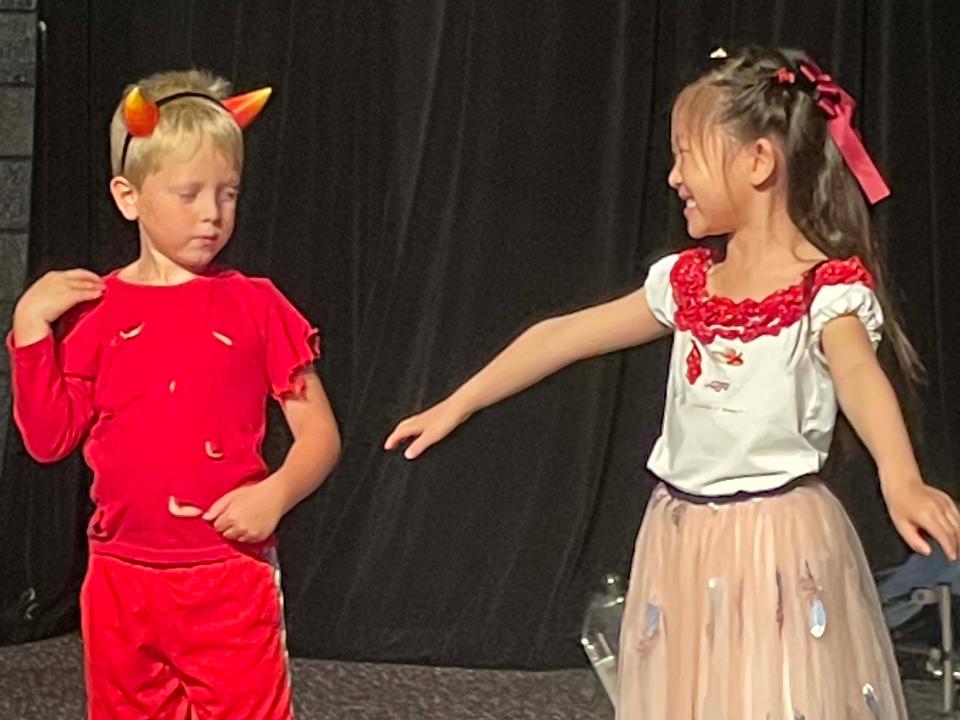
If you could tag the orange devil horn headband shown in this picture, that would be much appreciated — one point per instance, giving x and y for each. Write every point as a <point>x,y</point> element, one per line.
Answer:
<point>142,115</point>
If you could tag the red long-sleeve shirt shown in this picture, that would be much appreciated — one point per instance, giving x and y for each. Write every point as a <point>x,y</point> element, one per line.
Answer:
<point>166,387</point>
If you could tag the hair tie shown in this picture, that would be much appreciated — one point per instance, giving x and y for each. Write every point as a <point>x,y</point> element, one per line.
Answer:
<point>785,76</point>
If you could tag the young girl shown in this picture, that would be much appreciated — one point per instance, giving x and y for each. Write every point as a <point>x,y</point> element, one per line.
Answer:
<point>162,370</point>
<point>750,596</point>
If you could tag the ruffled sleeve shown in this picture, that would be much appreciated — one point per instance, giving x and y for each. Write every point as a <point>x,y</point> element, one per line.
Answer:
<point>292,344</point>
<point>659,291</point>
<point>833,301</point>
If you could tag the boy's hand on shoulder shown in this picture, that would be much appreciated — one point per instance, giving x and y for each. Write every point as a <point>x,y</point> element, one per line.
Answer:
<point>248,514</point>
<point>55,293</point>
<point>58,291</point>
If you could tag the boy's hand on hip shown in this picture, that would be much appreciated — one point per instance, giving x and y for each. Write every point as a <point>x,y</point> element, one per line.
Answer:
<point>248,514</point>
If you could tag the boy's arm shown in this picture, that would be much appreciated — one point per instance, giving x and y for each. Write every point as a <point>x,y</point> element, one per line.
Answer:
<point>251,513</point>
<point>53,411</point>
<point>52,408</point>
<point>316,444</point>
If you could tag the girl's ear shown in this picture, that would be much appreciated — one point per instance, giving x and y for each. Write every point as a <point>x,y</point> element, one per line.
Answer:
<point>763,161</point>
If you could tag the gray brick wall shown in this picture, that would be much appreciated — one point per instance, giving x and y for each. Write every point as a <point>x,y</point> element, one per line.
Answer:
<point>18,64</point>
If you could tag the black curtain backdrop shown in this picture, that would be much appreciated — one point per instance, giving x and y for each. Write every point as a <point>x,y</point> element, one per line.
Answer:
<point>428,180</point>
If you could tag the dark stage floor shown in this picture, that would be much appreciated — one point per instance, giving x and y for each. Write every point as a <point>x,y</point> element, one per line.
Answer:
<point>44,681</point>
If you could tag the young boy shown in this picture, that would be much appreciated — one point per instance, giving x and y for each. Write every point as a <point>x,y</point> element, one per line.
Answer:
<point>161,370</point>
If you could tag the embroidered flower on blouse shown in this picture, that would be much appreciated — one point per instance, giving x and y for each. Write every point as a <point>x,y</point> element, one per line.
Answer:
<point>694,365</point>
<point>728,356</point>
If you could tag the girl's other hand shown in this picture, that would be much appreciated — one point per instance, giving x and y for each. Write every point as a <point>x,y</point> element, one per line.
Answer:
<point>915,506</point>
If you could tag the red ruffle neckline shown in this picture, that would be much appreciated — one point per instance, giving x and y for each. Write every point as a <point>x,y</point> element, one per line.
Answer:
<point>708,317</point>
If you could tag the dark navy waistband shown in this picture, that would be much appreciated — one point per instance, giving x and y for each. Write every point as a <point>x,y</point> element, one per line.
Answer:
<point>802,481</point>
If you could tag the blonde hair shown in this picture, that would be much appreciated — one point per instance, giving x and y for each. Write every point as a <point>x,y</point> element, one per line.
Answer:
<point>183,125</point>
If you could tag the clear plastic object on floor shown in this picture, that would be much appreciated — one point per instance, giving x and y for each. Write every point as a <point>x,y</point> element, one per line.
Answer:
<point>600,637</point>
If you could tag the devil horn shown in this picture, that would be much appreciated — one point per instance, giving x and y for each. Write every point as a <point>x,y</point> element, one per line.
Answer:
<point>246,107</point>
<point>140,114</point>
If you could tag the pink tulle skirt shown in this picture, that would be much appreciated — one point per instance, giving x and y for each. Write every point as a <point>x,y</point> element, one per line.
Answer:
<point>762,609</point>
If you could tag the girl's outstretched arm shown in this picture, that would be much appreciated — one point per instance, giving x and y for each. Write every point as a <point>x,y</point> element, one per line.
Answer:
<point>541,350</point>
<point>870,403</point>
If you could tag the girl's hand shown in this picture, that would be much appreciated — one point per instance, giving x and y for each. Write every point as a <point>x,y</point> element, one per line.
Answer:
<point>915,506</point>
<point>56,292</point>
<point>248,514</point>
<point>428,428</point>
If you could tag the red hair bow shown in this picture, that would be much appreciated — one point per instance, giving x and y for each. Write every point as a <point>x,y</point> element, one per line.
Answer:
<point>839,106</point>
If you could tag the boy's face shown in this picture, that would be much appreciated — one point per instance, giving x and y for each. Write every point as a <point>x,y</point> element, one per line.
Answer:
<point>186,209</point>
